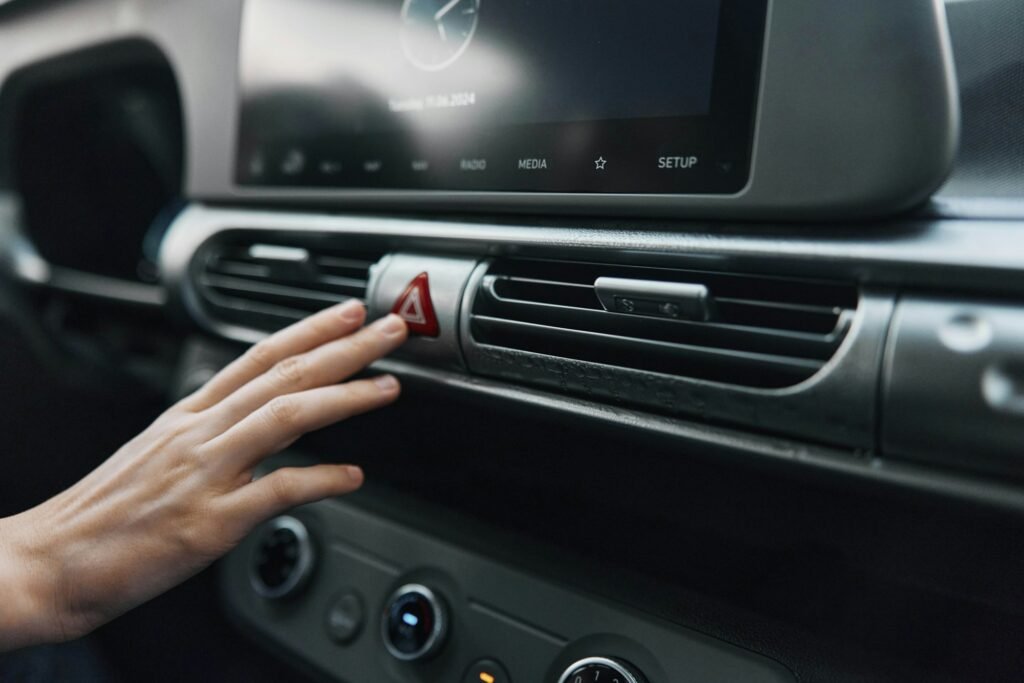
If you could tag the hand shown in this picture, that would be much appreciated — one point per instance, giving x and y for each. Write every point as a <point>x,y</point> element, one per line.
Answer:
<point>181,494</point>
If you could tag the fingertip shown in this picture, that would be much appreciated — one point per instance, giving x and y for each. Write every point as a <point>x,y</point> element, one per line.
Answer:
<point>387,384</point>
<point>355,475</point>
<point>352,311</point>
<point>392,326</point>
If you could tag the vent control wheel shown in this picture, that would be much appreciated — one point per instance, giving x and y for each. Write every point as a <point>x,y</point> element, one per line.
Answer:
<point>282,559</point>
<point>601,670</point>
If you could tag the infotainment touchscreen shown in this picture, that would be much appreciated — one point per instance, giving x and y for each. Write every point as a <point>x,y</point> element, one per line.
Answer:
<point>568,96</point>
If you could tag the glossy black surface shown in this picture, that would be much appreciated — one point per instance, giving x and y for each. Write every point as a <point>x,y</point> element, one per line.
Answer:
<point>564,97</point>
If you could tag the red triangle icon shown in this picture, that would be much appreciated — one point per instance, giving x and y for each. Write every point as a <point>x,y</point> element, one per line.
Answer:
<point>416,308</point>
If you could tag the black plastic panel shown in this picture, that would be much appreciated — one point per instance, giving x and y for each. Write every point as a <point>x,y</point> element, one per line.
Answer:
<point>533,628</point>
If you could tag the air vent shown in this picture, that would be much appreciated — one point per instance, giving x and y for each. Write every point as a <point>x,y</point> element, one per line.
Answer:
<point>265,284</point>
<point>743,330</point>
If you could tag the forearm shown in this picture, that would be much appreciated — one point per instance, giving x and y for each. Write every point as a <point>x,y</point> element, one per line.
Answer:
<point>26,593</point>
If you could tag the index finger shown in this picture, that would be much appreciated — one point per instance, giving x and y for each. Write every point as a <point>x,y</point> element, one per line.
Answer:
<point>305,335</point>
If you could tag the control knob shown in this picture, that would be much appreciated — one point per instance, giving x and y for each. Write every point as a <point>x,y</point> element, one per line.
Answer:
<point>282,559</point>
<point>601,670</point>
<point>415,623</point>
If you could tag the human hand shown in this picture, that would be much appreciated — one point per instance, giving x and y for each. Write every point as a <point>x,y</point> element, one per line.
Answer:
<point>181,494</point>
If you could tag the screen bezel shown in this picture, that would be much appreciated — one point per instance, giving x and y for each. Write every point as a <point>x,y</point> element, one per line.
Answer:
<point>728,133</point>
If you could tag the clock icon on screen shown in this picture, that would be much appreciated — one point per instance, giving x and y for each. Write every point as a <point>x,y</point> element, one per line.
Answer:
<point>435,33</point>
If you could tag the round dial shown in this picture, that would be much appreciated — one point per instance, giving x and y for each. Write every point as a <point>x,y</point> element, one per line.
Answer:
<point>282,558</point>
<point>435,33</point>
<point>415,623</point>
<point>601,670</point>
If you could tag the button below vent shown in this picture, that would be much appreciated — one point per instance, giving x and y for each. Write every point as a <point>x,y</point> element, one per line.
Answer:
<point>752,331</point>
<point>266,285</point>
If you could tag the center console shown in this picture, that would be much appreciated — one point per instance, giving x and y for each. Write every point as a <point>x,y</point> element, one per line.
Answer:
<point>386,602</point>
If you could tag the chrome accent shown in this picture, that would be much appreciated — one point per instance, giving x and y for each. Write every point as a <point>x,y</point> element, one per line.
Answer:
<point>987,254</point>
<point>438,633</point>
<point>691,302</point>
<point>274,252</point>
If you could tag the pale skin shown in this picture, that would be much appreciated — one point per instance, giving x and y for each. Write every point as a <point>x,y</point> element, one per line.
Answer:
<point>181,494</point>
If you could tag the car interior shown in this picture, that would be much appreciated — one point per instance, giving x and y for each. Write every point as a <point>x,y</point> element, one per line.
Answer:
<point>717,366</point>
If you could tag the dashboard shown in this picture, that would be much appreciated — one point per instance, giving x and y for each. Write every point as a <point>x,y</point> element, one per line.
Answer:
<point>740,279</point>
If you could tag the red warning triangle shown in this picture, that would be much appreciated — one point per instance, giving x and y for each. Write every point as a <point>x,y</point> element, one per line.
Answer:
<point>416,308</point>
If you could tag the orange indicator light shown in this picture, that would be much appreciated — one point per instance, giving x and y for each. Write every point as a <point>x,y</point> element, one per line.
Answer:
<point>486,677</point>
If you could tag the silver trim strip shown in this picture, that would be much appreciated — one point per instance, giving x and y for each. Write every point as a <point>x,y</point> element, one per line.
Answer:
<point>978,253</point>
<point>273,252</point>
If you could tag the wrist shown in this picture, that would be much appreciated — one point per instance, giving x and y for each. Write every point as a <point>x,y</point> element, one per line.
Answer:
<point>27,596</point>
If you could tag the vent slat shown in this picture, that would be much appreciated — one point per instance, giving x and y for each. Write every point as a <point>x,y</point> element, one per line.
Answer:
<point>343,263</point>
<point>248,307</point>
<point>765,332</point>
<point>752,369</point>
<point>799,317</point>
<point>742,338</point>
<point>245,283</point>
<point>240,268</point>
<point>354,286</point>
<point>299,298</point>
<point>740,286</point>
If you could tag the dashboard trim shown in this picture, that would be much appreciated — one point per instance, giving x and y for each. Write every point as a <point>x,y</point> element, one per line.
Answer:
<point>984,255</point>
<point>922,253</point>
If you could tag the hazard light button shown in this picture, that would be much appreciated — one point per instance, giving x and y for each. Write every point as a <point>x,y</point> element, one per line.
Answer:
<point>416,308</point>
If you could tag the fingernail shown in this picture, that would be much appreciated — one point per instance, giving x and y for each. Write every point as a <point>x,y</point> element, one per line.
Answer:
<point>351,311</point>
<point>354,473</point>
<point>391,326</point>
<point>386,383</point>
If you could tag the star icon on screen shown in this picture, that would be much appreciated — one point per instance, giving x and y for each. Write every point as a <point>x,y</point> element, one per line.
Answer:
<point>600,163</point>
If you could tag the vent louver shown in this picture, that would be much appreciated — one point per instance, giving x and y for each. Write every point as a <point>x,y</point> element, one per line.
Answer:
<point>751,331</point>
<point>266,285</point>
